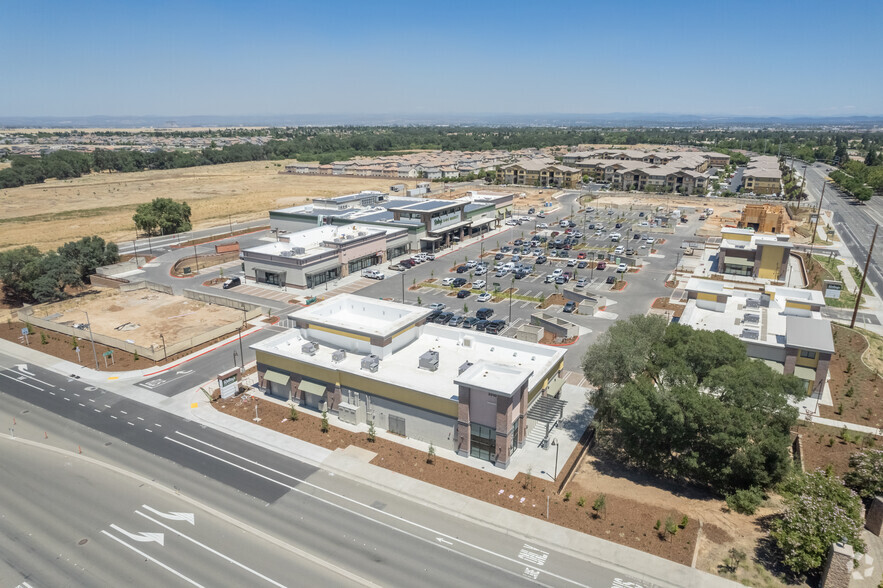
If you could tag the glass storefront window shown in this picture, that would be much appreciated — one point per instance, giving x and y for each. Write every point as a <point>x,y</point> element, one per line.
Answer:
<point>484,442</point>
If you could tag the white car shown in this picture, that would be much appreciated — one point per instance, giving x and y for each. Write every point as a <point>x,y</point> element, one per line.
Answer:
<point>581,283</point>
<point>542,226</point>
<point>480,270</point>
<point>650,241</point>
<point>438,306</point>
<point>447,281</point>
<point>479,285</point>
<point>557,272</point>
<point>471,264</point>
<point>484,297</point>
<point>622,268</point>
<point>619,250</point>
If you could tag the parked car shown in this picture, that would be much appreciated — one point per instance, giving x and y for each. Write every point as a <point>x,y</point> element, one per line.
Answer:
<point>640,214</point>
<point>408,262</point>
<point>505,249</point>
<point>540,260</point>
<point>560,280</point>
<point>582,264</point>
<point>622,268</point>
<point>455,321</point>
<point>373,274</point>
<point>619,250</point>
<point>462,269</point>
<point>481,324</point>
<point>232,283</point>
<point>549,279</point>
<point>569,306</point>
<point>498,256</point>
<point>463,294</point>
<point>458,282</point>
<point>480,270</point>
<point>581,255</point>
<point>611,279</point>
<point>601,265</point>
<point>629,251</point>
<point>439,306</point>
<point>484,297</point>
<point>650,241</point>
<point>618,226</point>
<point>443,318</point>
<point>484,313</point>
<point>447,281</point>
<point>430,256</point>
<point>469,322</point>
<point>495,327</point>
<point>479,285</point>
<point>571,263</point>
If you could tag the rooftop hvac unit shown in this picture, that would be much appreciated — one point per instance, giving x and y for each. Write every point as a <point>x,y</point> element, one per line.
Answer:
<point>298,250</point>
<point>338,356</point>
<point>464,367</point>
<point>429,361</point>
<point>370,363</point>
<point>467,342</point>
<point>309,348</point>
<point>363,234</point>
<point>286,253</point>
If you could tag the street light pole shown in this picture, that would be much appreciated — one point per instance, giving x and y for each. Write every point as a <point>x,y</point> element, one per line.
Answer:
<point>241,353</point>
<point>92,339</point>
<point>165,354</point>
<point>555,443</point>
<point>861,287</point>
<point>196,256</point>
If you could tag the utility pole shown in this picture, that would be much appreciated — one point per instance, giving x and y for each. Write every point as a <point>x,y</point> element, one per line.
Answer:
<point>196,255</point>
<point>403,287</point>
<point>815,225</point>
<point>861,287</point>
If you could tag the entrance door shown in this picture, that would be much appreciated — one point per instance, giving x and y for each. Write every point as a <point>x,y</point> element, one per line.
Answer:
<point>397,425</point>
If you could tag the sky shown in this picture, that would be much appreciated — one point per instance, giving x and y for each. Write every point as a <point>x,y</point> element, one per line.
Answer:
<point>264,57</point>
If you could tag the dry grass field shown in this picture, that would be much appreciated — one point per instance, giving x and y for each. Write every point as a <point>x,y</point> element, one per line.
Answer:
<point>49,214</point>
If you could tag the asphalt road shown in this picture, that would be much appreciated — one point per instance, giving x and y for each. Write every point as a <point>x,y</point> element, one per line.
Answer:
<point>382,538</point>
<point>156,245</point>
<point>854,221</point>
<point>65,521</point>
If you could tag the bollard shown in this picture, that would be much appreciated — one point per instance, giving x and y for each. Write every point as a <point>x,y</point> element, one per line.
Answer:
<point>45,435</point>
<point>80,449</point>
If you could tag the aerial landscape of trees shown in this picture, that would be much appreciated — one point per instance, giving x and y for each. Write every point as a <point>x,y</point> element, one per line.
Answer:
<point>327,144</point>
<point>162,216</point>
<point>28,275</point>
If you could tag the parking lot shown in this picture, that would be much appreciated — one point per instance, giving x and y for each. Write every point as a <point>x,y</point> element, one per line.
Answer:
<point>643,285</point>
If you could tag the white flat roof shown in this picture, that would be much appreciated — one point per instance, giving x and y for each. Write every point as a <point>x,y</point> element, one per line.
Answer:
<point>312,240</point>
<point>369,316</point>
<point>708,286</point>
<point>508,356</point>
<point>497,378</point>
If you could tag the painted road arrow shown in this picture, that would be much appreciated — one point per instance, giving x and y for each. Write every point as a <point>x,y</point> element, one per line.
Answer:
<point>173,516</point>
<point>143,537</point>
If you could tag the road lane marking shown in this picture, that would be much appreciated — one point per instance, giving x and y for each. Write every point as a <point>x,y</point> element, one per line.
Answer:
<point>51,392</point>
<point>112,416</point>
<point>142,537</point>
<point>81,404</point>
<point>139,418</point>
<point>106,406</point>
<point>96,410</point>
<point>91,400</point>
<point>172,516</point>
<point>66,398</point>
<point>131,423</point>
<point>22,382</point>
<point>210,550</point>
<point>148,430</point>
<point>157,425</point>
<point>365,506</point>
<point>124,412</point>
<point>153,559</point>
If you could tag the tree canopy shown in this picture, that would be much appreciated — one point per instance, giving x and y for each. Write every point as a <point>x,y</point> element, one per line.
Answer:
<point>690,404</point>
<point>31,276</point>
<point>162,216</point>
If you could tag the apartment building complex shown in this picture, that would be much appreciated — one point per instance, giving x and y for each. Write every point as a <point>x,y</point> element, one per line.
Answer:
<point>746,253</point>
<point>541,172</point>
<point>762,175</point>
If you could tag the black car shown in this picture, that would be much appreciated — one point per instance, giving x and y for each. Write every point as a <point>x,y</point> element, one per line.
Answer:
<point>494,327</point>
<point>481,325</point>
<point>640,214</point>
<point>618,225</point>
<point>462,269</point>
<point>498,256</point>
<point>570,306</point>
<point>232,283</point>
<point>592,226</point>
<point>505,249</point>
<point>541,259</point>
<point>563,253</point>
<point>458,282</point>
<point>463,294</point>
<point>443,318</point>
<point>518,242</point>
<point>469,322</point>
<point>636,236</point>
<point>432,316</point>
<point>611,279</point>
<point>484,313</point>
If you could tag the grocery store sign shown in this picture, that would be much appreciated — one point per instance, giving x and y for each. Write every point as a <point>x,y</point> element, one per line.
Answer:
<point>444,220</point>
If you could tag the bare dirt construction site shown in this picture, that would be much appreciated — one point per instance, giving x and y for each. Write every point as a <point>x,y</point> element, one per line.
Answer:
<point>50,214</point>
<point>142,316</point>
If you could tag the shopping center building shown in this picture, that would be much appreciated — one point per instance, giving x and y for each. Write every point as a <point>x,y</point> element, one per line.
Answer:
<point>381,362</point>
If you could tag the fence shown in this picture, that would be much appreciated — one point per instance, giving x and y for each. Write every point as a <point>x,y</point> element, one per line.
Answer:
<point>586,442</point>
<point>252,310</point>
<point>106,281</point>
<point>204,261</point>
<point>148,285</point>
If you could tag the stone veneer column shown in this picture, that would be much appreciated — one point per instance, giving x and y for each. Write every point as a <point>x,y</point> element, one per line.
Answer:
<point>464,430</point>
<point>790,360</point>
<point>504,426</point>
<point>522,424</point>
<point>334,397</point>
<point>874,516</point>
<point>838,568</point>
<point>822,371</point>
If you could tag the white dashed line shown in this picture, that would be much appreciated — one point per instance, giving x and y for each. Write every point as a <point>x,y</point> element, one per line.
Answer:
<point>81,404</point>
<point>91,400</point>
<point>66,398</point>
<point>77,395</point>
<point>53,393</point>
<point>124,412</point>
<point>157,425</point>
<point>112,416</point>
<point>139,418</point>
<point>148,430</point>
<point>131,423</point>
<point>106,406</point>
<point>96,410</point>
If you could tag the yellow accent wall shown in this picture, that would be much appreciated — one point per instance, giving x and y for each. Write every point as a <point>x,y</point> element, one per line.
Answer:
<point>792,304</point>
<point>735,236</point>
<point>342,333</point>
<point>770,261</point>
<point>807,362</point>
<point>706,296</point>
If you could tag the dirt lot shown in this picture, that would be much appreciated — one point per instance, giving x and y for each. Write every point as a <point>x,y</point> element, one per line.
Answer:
<point>146,312</point>
<point>827,446</point>
<point>627,521</point>
<point>49,214</point>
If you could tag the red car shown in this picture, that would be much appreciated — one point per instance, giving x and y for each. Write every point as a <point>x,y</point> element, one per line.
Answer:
<point>601,265</point>
<point>581,255</point>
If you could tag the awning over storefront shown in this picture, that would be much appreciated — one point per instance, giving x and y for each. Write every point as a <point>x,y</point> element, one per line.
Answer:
<point>805,373</point>
<point>483,221</point>
<point>276,377</point>
<point>775,366</point>
<point>740,261</point>
<point>431,239</point>
<point>312,387</point>
<point>451,227</point>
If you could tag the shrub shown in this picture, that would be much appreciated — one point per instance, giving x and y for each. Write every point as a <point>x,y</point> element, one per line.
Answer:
<point>819,511</point>
<point>136,357</point>
<point>581,502</point>
<point>866,473</point>
<point>657,525</point>
<point>44,340</point>
<point>293,415</point>
<point>683,522</point>
<point>74,342</point>
<point>567,496</point>
<point>528,478</point>
<point>670,527</point>
<point>372,434</point>
<point>745,501</point>
<point>600,505</point>
<point>430,453</point>
<point>325,426</point>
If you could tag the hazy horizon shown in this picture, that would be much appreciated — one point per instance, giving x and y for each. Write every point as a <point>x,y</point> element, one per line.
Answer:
<point>458,59</point>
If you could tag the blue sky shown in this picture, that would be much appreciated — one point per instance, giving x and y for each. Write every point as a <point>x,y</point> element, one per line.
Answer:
<point>182,57</point>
